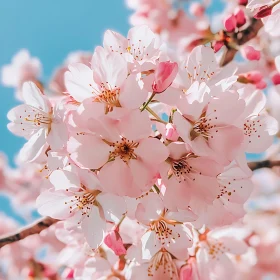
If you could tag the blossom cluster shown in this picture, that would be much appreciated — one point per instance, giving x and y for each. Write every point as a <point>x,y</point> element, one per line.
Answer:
<point>139,150</point>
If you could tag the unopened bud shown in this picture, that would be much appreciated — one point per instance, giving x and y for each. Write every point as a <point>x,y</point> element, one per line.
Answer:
<point>230,23</point>
<point>276,79</point>
<point>114,241</point>
<point>165,74</point>
<point>240,17</point>
<point>171,132</point>
<point>250,53</point>
<point>218,45</point>
<point>243,2</point>
<point>263,12</point>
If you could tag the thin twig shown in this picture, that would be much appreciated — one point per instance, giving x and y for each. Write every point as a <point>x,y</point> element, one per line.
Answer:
<point>241,38</point>
<point>263,164</point>
<point>22,233</point>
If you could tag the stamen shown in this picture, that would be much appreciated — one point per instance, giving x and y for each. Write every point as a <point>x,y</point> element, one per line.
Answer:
<point>163,260</point>
<point>124,149</point>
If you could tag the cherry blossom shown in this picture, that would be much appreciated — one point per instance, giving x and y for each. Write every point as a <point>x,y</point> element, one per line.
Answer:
<point>39,122</point>
<point>127,154</point>
<point>154,157</point>
<point>79,199</point>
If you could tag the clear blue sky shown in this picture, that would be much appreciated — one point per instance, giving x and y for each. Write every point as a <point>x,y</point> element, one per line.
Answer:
<point>50,30</point>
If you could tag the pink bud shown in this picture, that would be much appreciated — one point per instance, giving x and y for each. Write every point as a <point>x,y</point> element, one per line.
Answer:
<point>240,17</point>
<point>230,23</point>
<point>197,9</point>
<point>254,77</point>
<point>251,54</point>
<point>165,74</point>
<point>171,132</point>
<point>276,79</point>
<point>189,271</point>
<point>261,85</point>
<point>263,12</point>
<point>217,46</point>
<point>243,2</point>
<point>114,241</point>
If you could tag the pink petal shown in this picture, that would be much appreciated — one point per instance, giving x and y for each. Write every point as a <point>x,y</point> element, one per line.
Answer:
<point>78,80</point>
<point>149,208</point>
<point>152,151</point>
<point>132,94</point>
<point>34,97</point>
<point>88,151</point>
<point>94,228</point>
<point>34,147</point>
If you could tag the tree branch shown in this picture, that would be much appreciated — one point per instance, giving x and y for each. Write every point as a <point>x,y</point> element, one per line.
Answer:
<point>22,233</point>
<point>263,164</point>
<point>241,38</point>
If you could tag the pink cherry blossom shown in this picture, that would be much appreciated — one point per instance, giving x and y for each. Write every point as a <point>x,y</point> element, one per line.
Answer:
<point>141,48</point>
<point>22,69</point>
<point>39,122</point>
<point>214,250</point>
<point>211,126</point>
<point>108,83</point>
<point>185,179</point>
<point>79,199</point>
<point>164,228</point>
<point>258,126</point>
<point>127,156</point>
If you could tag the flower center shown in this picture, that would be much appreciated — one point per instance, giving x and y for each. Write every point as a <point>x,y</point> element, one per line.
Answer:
<point>107,95</point>
<point>138,51</point>
<point>124,149</point>
<point>163,260</point>
<point>181,168</point>
<point>163,231</point>
<point>201,127</point>
<point>83,200</point>
<point>39,119</point>
<point>216,249</point>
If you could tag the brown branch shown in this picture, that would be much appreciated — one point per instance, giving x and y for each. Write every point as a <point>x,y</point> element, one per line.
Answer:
<point>34,228</point>
<point>263,164</point>
<point>241,38</point>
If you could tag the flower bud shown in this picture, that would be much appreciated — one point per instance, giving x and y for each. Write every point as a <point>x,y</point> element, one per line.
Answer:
<point>263,12</point>
<point>114,241</point>
<point>189,271</point>
<point>218,45</point>
<point>165,74</point>
<point>276,79</point>
<point>261,85</point>
<point>250,53</point>
<point>243,2</point>
<point>254,76</point>
<point>171,132</point>
<point>240,17</point>
<point>230,23</point>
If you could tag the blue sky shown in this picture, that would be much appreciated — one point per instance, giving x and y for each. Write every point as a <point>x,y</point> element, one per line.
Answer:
<point>50,30</point>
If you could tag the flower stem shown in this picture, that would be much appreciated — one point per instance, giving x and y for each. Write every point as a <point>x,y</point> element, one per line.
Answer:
<point>147,103</point>
<point>155,115</point>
